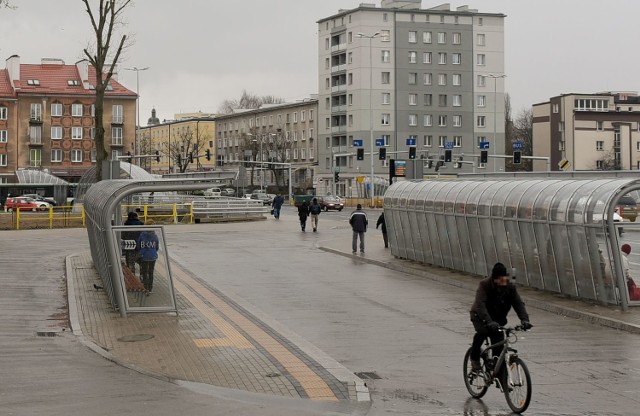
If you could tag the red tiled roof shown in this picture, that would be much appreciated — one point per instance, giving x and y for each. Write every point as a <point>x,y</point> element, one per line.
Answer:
<point>53,79</point>
<point>5,86</point>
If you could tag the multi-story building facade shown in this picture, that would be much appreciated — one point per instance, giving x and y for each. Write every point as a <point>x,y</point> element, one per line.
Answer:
<point>399,72</point>
<point>185,144</point>
<point>588,131</point>
<point>47,118</point>
<point>280,133</point>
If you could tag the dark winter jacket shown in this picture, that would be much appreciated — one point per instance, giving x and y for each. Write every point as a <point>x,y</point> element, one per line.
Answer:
<point>303,211</point>
<point>315,209</point>
<point>277,202</point>
<point>132,235</point>
<point>359,221</point>
<point>382,222</point>
<point>494,302</point>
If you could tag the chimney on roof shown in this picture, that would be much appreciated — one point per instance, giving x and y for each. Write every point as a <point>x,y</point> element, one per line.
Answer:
<point>51,61</point>
<point>83,70</point>
<point>13,67</point>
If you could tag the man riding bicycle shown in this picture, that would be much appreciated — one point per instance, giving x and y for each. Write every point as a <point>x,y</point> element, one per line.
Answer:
<point>494,298</point>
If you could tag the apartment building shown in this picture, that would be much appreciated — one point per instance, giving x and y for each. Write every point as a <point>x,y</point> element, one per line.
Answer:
<point>281,133</point>
<point>401,74</point>
<point>598,131</point>
<point>185,144</point>
<point>47,118</point>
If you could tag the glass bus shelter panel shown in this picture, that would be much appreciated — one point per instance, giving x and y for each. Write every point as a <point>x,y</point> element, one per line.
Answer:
<point>529,198</point>
<point>546,257</point>
<point>580,201</point>
<point>405,226</point>
<point>414,229</point>
<point>514,243</point>
<point>486,199</point>
<point>454,236</point>
<point>600,264</point>
<point>515,198</point>
<point>452,196</point>
<point>583,273</point>
<point>147,283</point>
<point>488,242</point>
<point>438,193</point>
<point>477,249</point>
<point>425,235</point>
<point>564,263</point>
<point>498,203</point>
<point>443,240</point>
<point>464,241</point>
<point>560,202</point>
<point>475,196</point>
<point>530,251</point>
<point>503,250</point>
<point>395,232</point>
<point>542,205</point>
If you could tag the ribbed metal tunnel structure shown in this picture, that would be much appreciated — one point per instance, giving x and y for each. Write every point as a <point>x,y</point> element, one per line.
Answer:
<point>557,233</point>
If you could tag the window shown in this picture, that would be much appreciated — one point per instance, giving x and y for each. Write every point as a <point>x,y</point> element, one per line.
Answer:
<point>385,17</point>
<point>33,82</point>
<point>426,37</point>
<point>442,38</point>
<point>442,58</point>
<point>385,36</point>
<point>350,120</point>
<point>413,57</point>
<point>482,80</point>
<point>76,133</point>
<point>386,139</point>
<point>457,100</point>
<point>386,119</point>
<point>413,36</point>
<point>56,155</point>
<point>56,133</point>
<point>386,57</point>
<point>427,120</point>
<point>349,81</point>
<point>4,135</point>
<point>442,121</point>
<point>386,77</point>
<point>442,79</point>
<point>349,99</point>
<point>3,160</point>
<point>457,121</point>
<point>413,99</point>
<point>56,110</point>
<point>310,115</point>
<point>427,57</point>
<point>386,98</point>
<point>457,141</point>
<point>592,104</point>
<point>482,100</point>
<point>36,112</point>
<point>303,154</point>
<point>35,134</point>
<point>3,113</point>
<point>442,100</point>
<point>35,158</point>
<point>76,110</point>
<point>427,140</point>
<point>600,145</point>
<point>556,109</point>
<point>457,38</point>
<point>350,37</point>
<point>561,126</point>
<point>326,63</point>
<point>481,39</point>
<point>350,58</point>
<point>413,119</point>
<point>456,58</point>
<point>482,121</point>
<point>480,21</point>
<point>456,79</point>
<point>599,125</point>
<point>481,59</point>
<point>599,164</point>
<point>116,136</point>
<point>428,99</point>
<point>427,78</point>
<point>93,133</point>
<point>93,110</point>
<point>413,78</point>
<point>442,141</point>
<point>76,155</point>
<point>115,153</point>
<point>561,146</point>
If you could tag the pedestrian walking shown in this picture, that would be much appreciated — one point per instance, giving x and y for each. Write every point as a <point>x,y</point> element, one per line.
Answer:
<point>315,209</point>
<point>149,245</point>
<point>359,222</point>
<point>381,222</point>
<point>277,205</point>
<point>303,214</point>
<point>131,254</point>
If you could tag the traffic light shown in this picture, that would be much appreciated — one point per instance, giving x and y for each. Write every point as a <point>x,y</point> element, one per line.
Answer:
<point>517,156</point>
<point>382,155</point>
<point>429,164</point>
<point>208,154</point>
<point>484,156</point>
<point>360,154</point>
<point>190,157</point>
<point>157,156</point>
<point>412,152</point>
<point>336,176</point>
<point>447,155</point>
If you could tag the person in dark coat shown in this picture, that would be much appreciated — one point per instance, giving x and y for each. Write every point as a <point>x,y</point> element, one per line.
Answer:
<point>277,205</point>
<point>314,210</point>
<point>149,246</point>
<point>359,222</point>
<point>303,214</point>
<point>381,222</point>
<point>131,255</point>
<point>495,297</point>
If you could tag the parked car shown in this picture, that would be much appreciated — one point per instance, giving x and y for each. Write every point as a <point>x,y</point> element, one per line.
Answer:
<point>229,192</point>
<point>37,197</point>
<point>25,204</point>
<point>212,192</point>
<point>627,208</point>
<point>262,197</point>
<point>330,202</point>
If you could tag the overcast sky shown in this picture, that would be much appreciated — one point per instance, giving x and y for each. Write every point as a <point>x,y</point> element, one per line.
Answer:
<point>201,52</point>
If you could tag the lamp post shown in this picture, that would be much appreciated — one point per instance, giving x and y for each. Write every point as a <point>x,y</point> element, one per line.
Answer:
<point>370,37</point>
<point>137,143</point>
<point>495,108</point>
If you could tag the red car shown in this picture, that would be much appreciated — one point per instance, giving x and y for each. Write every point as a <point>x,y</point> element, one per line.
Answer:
<point>25,204</point>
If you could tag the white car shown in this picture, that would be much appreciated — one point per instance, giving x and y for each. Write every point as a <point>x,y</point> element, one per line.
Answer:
<point>213,192</point>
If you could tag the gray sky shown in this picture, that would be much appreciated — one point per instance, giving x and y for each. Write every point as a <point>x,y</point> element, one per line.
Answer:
<point>201,52</point>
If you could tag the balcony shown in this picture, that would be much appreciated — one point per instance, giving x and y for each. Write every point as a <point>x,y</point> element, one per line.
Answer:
<point>117,120</point>
<point>339,108</point>
<point>35,141</point>
<point>339,88</point>
<point>338,68</point>
<point>339,47</point>
<point>339,129</point>
<point>35,119</point>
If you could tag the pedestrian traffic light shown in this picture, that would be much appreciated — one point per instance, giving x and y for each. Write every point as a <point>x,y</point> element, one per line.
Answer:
<point>208,154</point>
<point>447,155</point>
<point>336,176</point>
<point>412,152</point>
<point>517,156</point>
<point>484,156</point>
<point>382,155</point>
<point>157,156</point>
<point>360,154</point>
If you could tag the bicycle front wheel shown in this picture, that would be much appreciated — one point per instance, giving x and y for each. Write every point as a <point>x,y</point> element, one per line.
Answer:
<point>517,386</point>
<point>475,382</point>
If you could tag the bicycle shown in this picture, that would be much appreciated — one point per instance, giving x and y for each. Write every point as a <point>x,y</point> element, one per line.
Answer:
<point>513,379</point>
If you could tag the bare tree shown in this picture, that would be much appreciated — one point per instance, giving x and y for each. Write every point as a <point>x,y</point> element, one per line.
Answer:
<point>187,148</point>
<point>7,4</point>
<point>247,101</point>
<point>610,161</point>
<point>105,18</point>
<point>522,131</point>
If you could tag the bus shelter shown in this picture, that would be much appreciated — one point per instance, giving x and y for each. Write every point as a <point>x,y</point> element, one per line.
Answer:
<point>556,234</point>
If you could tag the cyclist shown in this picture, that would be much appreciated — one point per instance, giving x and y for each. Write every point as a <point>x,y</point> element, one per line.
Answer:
<point>494,298</point>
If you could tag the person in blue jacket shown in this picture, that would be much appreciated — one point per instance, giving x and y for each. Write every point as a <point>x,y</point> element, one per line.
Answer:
<point>149,245</point>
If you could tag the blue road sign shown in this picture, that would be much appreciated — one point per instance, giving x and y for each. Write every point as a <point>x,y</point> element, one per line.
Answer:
<point>358,142</point>
<point>380,142</point>
<point>448,145</point>
<point>484,145</point>
<point>411,142</point>
<point>518,145</point>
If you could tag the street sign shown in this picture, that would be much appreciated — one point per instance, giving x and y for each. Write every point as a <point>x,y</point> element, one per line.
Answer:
<point>400,166</point>
<point>129,244</point>
<point>411,142</point>
<point>484,145</point>
<point>564,164</point>
<point>517,145</point>
<point>358,142</point>
<point>379,142</point>
<point>448,145</point>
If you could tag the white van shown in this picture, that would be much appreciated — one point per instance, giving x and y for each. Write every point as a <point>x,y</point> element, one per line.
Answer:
<point>213,192</point>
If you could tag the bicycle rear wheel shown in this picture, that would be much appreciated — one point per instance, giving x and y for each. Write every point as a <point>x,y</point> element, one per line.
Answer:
<point>475,382</point>
<point>517,386</point>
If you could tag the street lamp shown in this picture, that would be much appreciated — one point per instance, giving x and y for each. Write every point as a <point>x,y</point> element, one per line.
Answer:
<point>495,108</point>
<point>370,37</point>
<point>137,144</point>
